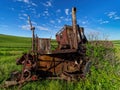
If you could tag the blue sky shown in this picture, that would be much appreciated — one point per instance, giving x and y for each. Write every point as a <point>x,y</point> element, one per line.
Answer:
<point>101,17</point>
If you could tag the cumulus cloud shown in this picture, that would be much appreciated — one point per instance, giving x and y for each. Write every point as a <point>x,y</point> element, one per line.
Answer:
<point>46,13</point>
<point>117,17</point>
<point>84,22</point>
<point>25,27</point>
<point>42,28</point>
<point>38,27</point>
<point>103,21</point>
<point>22,18</point>
<point>27,2</point>
<point>63,19</point>
<point>34,23</point>
<point>67,19</point>
<point>47,4</point>
<point>67,11</point>
<point>33,4</point>
<point>113,15</point>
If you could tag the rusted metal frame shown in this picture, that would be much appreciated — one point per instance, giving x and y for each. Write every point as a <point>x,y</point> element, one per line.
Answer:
<point>23,82</point>
<point>37,42</point>
<point>33,40</point>
<point>35,57</point>
<point>42,52</point>
<point>79,31</point>
<point>44,45</point>
<point>35,62</point>
<point>64,51</point>
<point>51,61</point>
<point>70,38</point>
<point>60,30</point>
<point>84,39</point>
<point>53,66</point>
<point>22,74</point>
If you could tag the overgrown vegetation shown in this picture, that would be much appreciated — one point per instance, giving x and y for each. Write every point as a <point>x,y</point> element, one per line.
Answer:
<point>104,72</point>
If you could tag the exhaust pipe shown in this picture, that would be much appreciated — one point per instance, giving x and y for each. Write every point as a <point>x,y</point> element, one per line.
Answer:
<point>74,25</point>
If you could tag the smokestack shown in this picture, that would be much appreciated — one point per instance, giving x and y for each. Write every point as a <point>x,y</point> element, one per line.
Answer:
<point>74,25</point>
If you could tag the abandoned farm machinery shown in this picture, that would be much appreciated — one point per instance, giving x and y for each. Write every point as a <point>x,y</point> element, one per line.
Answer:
<point>67,62</point>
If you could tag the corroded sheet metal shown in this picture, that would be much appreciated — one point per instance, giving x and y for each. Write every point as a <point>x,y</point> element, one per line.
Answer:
<point>44,44</point>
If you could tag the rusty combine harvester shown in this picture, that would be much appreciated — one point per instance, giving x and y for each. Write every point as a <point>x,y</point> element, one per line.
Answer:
<point>68,61</point>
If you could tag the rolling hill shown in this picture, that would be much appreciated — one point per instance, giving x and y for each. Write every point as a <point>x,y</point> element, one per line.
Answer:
<point>14,41</point>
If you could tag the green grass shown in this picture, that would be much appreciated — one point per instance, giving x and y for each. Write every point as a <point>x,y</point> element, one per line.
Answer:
<point>116,42</point>
<point>104,72</point>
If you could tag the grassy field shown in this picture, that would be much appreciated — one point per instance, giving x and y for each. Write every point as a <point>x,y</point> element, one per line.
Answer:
<point>104,76</point>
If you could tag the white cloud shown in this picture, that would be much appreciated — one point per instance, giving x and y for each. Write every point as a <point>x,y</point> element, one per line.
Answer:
<point>84,22</point>
<point>25,27</point>
<point>58,11</point>
<point>59,21</point>
<point>52,21</point>
<point>25,15</point>
<point>113,15</point>
<point>42,28</point>
<point>67,19</point>
<point>34,23</point>
<point>33,4</point>
<point>47,4</point>
<point>46,13</point>
<point>22,18</point>
<point>61,17</point>
<point>67,11</point>
<point>27,2</point>
<point>103,21</point>
<point>117,17</point>
<point>33,10</point>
